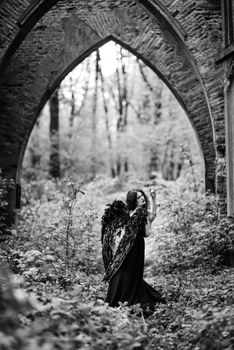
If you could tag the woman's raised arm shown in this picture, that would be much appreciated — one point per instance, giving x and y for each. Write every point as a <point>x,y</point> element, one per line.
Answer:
<point>152,215</point>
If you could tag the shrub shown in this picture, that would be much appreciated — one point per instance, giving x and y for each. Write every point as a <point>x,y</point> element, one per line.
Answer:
<point>58,234</point>
<point>195,234</point>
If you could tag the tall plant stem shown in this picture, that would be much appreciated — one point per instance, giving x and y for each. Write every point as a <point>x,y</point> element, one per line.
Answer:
<point>69,224</point>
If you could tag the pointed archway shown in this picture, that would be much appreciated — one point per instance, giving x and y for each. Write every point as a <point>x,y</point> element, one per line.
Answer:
<point>53,40</point>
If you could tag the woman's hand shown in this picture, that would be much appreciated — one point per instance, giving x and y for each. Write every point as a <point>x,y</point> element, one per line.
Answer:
<point>152,215</point>
<point>153,194</point>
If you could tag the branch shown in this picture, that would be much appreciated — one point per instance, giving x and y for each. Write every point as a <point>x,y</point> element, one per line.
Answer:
<point>86,89</point>
<point>145,79</point>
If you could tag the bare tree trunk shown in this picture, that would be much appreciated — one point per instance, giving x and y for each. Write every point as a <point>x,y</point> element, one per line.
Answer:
<point>120,124</point>
<point>75,112</point>
<point>154,165</point>
<point>94,118</point>
<point>86,88</point>
<point>156,92</point>
<point>144,76</point>
<point>125,106</point>
<point>73,107</point>
<point>54,162</point>
<point>172,163</point>
<point>122,161</point>
<point>158,105</point>
<point>106,111</point>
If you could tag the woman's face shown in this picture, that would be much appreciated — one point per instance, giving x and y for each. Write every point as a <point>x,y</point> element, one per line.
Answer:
<point>140,199</point>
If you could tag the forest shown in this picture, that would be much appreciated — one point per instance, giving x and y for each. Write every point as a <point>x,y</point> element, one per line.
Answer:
<point>112,125</point>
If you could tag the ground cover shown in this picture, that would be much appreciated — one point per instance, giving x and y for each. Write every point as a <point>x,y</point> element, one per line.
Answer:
<point>52,294</point>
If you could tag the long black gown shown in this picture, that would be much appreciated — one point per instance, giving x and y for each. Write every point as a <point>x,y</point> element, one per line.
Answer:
<point>127,284</point>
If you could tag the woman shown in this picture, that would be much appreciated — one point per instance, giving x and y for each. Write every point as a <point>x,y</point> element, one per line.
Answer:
<point>123,230</point>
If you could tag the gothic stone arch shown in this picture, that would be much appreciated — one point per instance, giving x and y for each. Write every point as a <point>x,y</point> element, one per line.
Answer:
<point>42,41</point>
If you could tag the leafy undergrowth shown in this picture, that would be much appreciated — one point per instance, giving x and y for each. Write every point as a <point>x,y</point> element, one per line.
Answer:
<point>54,296</point>
<point>198,315</point>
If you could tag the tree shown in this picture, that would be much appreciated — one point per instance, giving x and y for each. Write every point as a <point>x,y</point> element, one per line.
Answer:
<point>54,162</point>
<point>107,124</point>
<point>114,118</point>
<point>94,117</point>
<point>121,98</point>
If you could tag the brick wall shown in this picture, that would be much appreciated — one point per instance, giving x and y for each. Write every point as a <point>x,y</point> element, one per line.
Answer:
<point>182,49</point>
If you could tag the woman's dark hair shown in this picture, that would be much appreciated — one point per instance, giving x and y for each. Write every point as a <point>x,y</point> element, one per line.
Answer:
<point>131,199</point>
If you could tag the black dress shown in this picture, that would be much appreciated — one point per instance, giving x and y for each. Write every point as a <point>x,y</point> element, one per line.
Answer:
<point>127,284</point>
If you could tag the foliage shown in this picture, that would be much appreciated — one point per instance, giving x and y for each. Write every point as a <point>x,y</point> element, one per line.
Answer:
<point>200,316</point>
<point>56,235</point>
<point>45,306</point>
<point>195,234</point>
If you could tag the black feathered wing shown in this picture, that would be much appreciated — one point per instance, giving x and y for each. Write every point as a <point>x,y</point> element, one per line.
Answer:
<point>134,225</point>
<point>113,220</point>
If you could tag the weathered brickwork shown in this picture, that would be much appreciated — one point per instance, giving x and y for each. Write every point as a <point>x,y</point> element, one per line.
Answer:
<point>183,53</point>
<point>10,11</point>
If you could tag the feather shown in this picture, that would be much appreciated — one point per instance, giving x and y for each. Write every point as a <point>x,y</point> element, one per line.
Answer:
<point>114,218</point>
<point>134,225</point>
